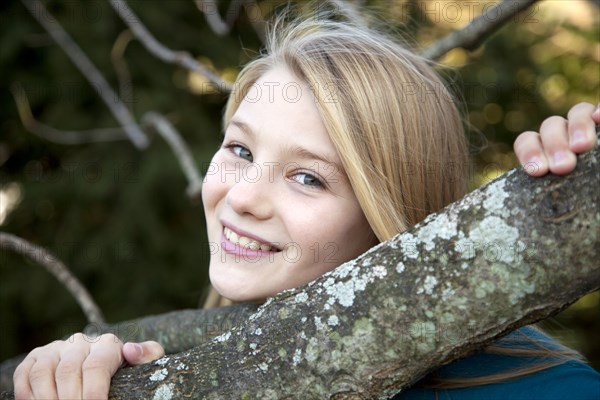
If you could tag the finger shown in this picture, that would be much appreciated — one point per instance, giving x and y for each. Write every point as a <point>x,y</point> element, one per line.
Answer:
<point>100,365</point>
<point>140,353</point>
<point>582,132</point>
<point>41,376</point>
<point>21,384</point>
<point>555,141</point>
<point>529,151</point>
<point>596,115</point>
<point>68,375</point>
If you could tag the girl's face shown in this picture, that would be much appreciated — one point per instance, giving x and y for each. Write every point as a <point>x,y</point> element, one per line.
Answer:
<point>280,210</point>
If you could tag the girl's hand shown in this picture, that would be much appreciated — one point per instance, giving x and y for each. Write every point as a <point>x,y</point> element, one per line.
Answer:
<point>554,147</point>
<point>80,367</point>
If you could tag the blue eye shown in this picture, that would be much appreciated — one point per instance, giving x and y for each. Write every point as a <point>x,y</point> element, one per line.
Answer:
<point>241,152</point>
<point>306,179</point>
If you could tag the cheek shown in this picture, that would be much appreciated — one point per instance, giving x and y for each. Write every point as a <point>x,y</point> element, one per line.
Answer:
<point>350,236</point>
<point>213,189</point>
<point>320,239</point>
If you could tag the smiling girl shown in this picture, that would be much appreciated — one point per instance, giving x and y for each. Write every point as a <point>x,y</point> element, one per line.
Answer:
<point>300,200</point>
<point>326,153</point>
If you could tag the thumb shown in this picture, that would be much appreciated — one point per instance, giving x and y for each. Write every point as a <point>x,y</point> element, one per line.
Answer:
<point>141,353</point>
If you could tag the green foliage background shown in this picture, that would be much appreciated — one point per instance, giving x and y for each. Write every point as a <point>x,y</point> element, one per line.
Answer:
<point>119,218</point>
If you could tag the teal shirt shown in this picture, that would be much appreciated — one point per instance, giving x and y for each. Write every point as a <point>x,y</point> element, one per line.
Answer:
<point>573,380</point>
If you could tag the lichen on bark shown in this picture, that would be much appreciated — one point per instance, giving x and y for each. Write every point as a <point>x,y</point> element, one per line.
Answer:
<point>511,253</point>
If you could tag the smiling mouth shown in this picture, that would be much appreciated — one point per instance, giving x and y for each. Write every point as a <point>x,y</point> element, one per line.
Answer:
<point>246,242</point>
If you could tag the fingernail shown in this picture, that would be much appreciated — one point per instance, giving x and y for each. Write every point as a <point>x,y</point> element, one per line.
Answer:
<point>578,136</point>
<point>533,165</point>
<point>560,157</point>
<point>138,350</point>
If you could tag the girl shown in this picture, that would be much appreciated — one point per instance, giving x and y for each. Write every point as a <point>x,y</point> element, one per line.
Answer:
<point>330,138</point>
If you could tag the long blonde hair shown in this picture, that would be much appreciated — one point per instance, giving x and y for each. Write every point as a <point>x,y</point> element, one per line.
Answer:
<point>395,126</point>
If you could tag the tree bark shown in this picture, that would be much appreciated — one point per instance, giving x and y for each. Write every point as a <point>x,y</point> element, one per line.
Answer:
<point>197,326</point>
<point>508,254</point>
<point>176,331</point>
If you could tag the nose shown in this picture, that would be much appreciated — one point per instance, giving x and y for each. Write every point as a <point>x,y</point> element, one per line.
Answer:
<point>252,193</point>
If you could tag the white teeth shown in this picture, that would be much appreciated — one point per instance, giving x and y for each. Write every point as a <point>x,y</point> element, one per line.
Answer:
<point>245,241</point>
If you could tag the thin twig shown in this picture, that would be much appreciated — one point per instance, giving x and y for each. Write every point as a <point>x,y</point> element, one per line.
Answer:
<point>213,18</point>
<point>150,119</point>
<point>123,75</point>
<point>471,36</point>
<point>181,58</point>
<point>92,74</point>
<point>59,136</point>
<point>351,11</point>
<point>180,149</point>
<point>258,23</point>
<point>222,27</point>
<point>58,269</point>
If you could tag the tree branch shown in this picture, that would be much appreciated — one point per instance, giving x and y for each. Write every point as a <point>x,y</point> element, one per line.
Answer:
<point>181,151</point>
<point>60,136</point>
<point>213,18</point>
<point>120,66</point>
<point>181,58</point>
<point>351,10</point>
<point>198,326</point>
<point>453,283</point>
<point>222,27</point>
<point>89,70</point>
<point>482,267</point>
<point>474,34</point>
<point>58,269</point>
<point>175,331</point>
<point>150,119</point>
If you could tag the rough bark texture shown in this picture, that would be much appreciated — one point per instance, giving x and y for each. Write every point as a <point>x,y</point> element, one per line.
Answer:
<point>176,331</point>
<point>511,253</point>
<point>181,330</point>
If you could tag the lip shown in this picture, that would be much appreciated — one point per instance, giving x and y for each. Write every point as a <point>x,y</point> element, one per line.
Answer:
<point>241,232</point>
<point>243,253</point>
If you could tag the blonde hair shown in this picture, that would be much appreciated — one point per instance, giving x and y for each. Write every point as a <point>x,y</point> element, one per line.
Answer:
<point>395,126</point>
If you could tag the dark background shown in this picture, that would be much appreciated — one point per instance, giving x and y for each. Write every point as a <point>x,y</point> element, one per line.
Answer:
<point>119,217</point>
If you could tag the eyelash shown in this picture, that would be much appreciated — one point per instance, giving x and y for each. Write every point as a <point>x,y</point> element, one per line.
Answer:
<point>233,146</point>
<point>320,185</point>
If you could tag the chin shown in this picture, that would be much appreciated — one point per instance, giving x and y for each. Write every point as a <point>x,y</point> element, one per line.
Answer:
<point>236,293</point>
<point>237,297</point>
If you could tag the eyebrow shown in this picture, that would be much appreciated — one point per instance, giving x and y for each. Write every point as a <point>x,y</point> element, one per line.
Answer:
<point>296,150</point>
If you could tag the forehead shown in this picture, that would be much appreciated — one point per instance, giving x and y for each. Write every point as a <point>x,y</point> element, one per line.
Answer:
<point>282,106</point>
<point>283,98</point>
